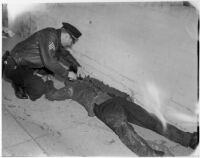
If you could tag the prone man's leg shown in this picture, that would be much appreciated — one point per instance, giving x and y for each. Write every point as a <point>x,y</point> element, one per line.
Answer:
<point>113,115</point>
<point>139,116</point>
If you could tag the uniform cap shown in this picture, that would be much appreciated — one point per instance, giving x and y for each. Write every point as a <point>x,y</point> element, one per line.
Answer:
<point>74,32</point>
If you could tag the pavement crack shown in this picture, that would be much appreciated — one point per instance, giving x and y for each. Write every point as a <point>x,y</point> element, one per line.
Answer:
<point>14,117</point>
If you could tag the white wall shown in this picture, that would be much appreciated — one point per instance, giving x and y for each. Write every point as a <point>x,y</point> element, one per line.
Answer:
<point>147,50</point>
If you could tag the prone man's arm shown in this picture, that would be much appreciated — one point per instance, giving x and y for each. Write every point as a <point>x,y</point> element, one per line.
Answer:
<point>56,94</point>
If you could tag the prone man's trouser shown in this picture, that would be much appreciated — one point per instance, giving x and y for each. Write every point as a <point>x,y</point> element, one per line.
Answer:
<point>119,111</point>
<point>114,116</point>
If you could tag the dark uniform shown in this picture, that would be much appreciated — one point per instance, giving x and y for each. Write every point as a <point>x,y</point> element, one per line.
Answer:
<point>117,112</point>
<point>41,51</point>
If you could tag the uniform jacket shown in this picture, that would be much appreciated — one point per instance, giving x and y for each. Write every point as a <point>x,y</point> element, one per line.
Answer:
<point>44,49</point>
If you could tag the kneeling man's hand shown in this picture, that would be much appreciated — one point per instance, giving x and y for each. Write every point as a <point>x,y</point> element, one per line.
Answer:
<point>72,75</point>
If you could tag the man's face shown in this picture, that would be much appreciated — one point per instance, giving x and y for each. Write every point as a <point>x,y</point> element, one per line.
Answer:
<point>66,40</point>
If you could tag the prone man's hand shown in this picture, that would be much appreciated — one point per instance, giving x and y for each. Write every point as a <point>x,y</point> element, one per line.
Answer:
<point>72,75</point>
<point>81,72</point>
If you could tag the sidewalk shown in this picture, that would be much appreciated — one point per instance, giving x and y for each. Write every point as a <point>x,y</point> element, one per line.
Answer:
<point>44,128</point>
<point>17,141</point>
<point>62,128</point>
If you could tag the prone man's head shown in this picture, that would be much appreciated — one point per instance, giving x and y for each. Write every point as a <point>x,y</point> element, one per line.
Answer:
<point>69,35</point>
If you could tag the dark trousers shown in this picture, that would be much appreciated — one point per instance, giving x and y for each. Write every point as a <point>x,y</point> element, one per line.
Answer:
<point>118,112</point>
<point>23,77</point>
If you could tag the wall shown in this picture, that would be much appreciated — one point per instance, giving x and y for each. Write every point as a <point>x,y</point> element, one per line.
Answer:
<point>145,49</point>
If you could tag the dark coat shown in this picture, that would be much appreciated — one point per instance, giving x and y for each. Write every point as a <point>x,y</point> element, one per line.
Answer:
<point>44,49</point>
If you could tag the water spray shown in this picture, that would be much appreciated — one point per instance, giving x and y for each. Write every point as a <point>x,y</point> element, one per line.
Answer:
<point>152,99</point>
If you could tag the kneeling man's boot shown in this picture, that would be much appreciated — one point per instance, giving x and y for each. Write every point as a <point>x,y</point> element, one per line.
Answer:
<point>20,92</point>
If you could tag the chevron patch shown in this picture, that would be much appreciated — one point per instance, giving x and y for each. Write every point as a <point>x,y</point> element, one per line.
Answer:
<point>52,46</point>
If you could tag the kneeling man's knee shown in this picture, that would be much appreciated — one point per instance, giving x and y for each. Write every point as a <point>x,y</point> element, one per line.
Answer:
<point>34,87</point>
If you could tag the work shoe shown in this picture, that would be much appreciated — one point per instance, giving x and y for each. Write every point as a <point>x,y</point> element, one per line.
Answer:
<point>158,153</point>
<point>194,140</point>
<point>20,93</point>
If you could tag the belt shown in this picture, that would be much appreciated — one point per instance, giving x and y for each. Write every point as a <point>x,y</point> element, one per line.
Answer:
<point>100,98</point>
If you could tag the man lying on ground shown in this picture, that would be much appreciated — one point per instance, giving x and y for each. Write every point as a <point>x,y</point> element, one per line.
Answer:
<point>117,112</point>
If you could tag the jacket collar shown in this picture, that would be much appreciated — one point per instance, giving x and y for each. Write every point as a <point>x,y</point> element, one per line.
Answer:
<point>59,37</point>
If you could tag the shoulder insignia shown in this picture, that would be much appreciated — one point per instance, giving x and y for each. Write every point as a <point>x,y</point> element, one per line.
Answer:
<point>52,46</point>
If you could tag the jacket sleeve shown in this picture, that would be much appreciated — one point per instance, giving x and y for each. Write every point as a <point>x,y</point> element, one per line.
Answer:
<point>58,94</point>
<point>47,44</point>
<point>51,93</point>
<point>67,59</point>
